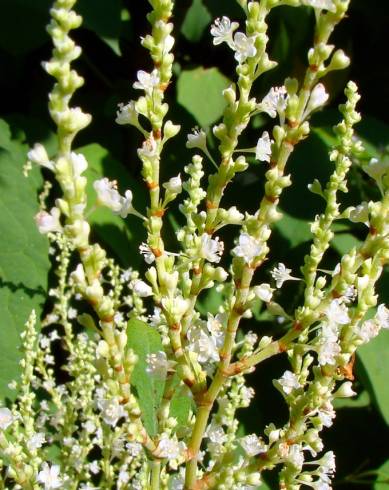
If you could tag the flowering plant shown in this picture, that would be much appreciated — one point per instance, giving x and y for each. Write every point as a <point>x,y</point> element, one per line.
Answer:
<point>154,383</point>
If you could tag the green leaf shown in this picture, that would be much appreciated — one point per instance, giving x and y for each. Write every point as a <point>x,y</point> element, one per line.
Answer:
<point>199,91</point>
<point>295,230</point>
<point>382,482</point>
<point>180,404</point>
<point>24,263</point>
<point>122,236</point>
<point>344,242</point>
<point>196,20</point>
<point>104,19</point>
<point>143,340</point>
<point>376,364</point>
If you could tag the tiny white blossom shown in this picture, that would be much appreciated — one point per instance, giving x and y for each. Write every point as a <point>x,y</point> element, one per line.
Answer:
<point>247,394</point>
<point>211,249</point>
<point>318,98</point>
<point>36,441</point>
<point>111,411</point>
<point>94,467</point>
<point>126,205</point>
<point>49,476</point>
<point>6,418</point>
<point>48,222</point>
<point>72,313</point>
<point>263,148</point>
<point>222,30</point>
<point>38,155</point>
<point>274,102</point>
<point>215,433</point>
<point>133,448</point>
<point>264,292</point>
<point>203,344</point>
<point>197,139</point>
<point>382,316</point>
<point>376,169</point>
<point>107,194</point>
<point>327,352</point>
<point>157,364</point>
<point>174,185</point>
<point>244,47</point>
<point>252,444</point>
<point>289,382</point>
<point>248,248</point>
<point>295,456</point>
<point>147,81</point>
<point>280,274</point>
<point>170,448</point>
<point>78,163</point>
<point>320,4</point>
<point>148,255</point>
<point>337,312</point>
<point>127,114</point>
<point>368,330</point>
<point>149,149</point>
<point>123,477</point>
<point>345,390</point>
<point>360,214</point>
<point>141,288</point>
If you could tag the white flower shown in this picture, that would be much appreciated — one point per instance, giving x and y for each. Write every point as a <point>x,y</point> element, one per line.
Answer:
<point>263,148</point>
<point>38,155</point>
<point>360,214</point>
<point>211,249</point>
<point>148,255</point>
<point>252,444</point>
<point>289,382</point>
<point>234,216</point>
<point>78,163</point>
<point>248,248</point>
<point>6,418</point>
<point>72,313</point>
<point>126,205</point>
<point>197,139</point>
<point>345,390</point>
<point>169,448</point>
<point>157,364</point>
<point>376,169</point>
<point>244,47</point>
<point>48,222</point>
<point>127,114</point>
<point>320,4</point>
<point>264,292</point>
<point>222,30</point>
<point>215,433</point>
<point>337,312</point>
<point>203,344</point>
<point>149,149</point>
<point>36,441</point>
<point>382,316</point>
<point>327,352</point>
<point>49,476</point>
<point>368,330</point>
<point>215,327</point>
<point>274,101</point>
<point>133,448</point>
<point>174,185</point>
<point>94,467</point>
<point>141,288</point>
<point>246,394</point>
<point>147,81</point>
<point>107,194</point>
<point>123,477</point>
<point>295,456</point>
<point>280,274</point>
<point>318,98</point>
<point>111,411</point>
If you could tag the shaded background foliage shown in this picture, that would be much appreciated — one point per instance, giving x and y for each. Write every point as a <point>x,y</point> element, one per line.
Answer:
<point>111,57</point>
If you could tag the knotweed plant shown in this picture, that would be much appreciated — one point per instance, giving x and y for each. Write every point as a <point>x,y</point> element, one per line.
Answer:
<point>152,385</point>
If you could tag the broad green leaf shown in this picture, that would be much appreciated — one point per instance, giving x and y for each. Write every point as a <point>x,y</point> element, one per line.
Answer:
<point>122,236</point>
<point>196,20</point>
<point>143,340</point>
<point>375,360</point>
<point>344,242</point>
<point>199,91</point>
<point>295,230</point>
<point>180,404</point>
<point>24,263</point>
<point>382,482</point>
<point>104,19</point>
